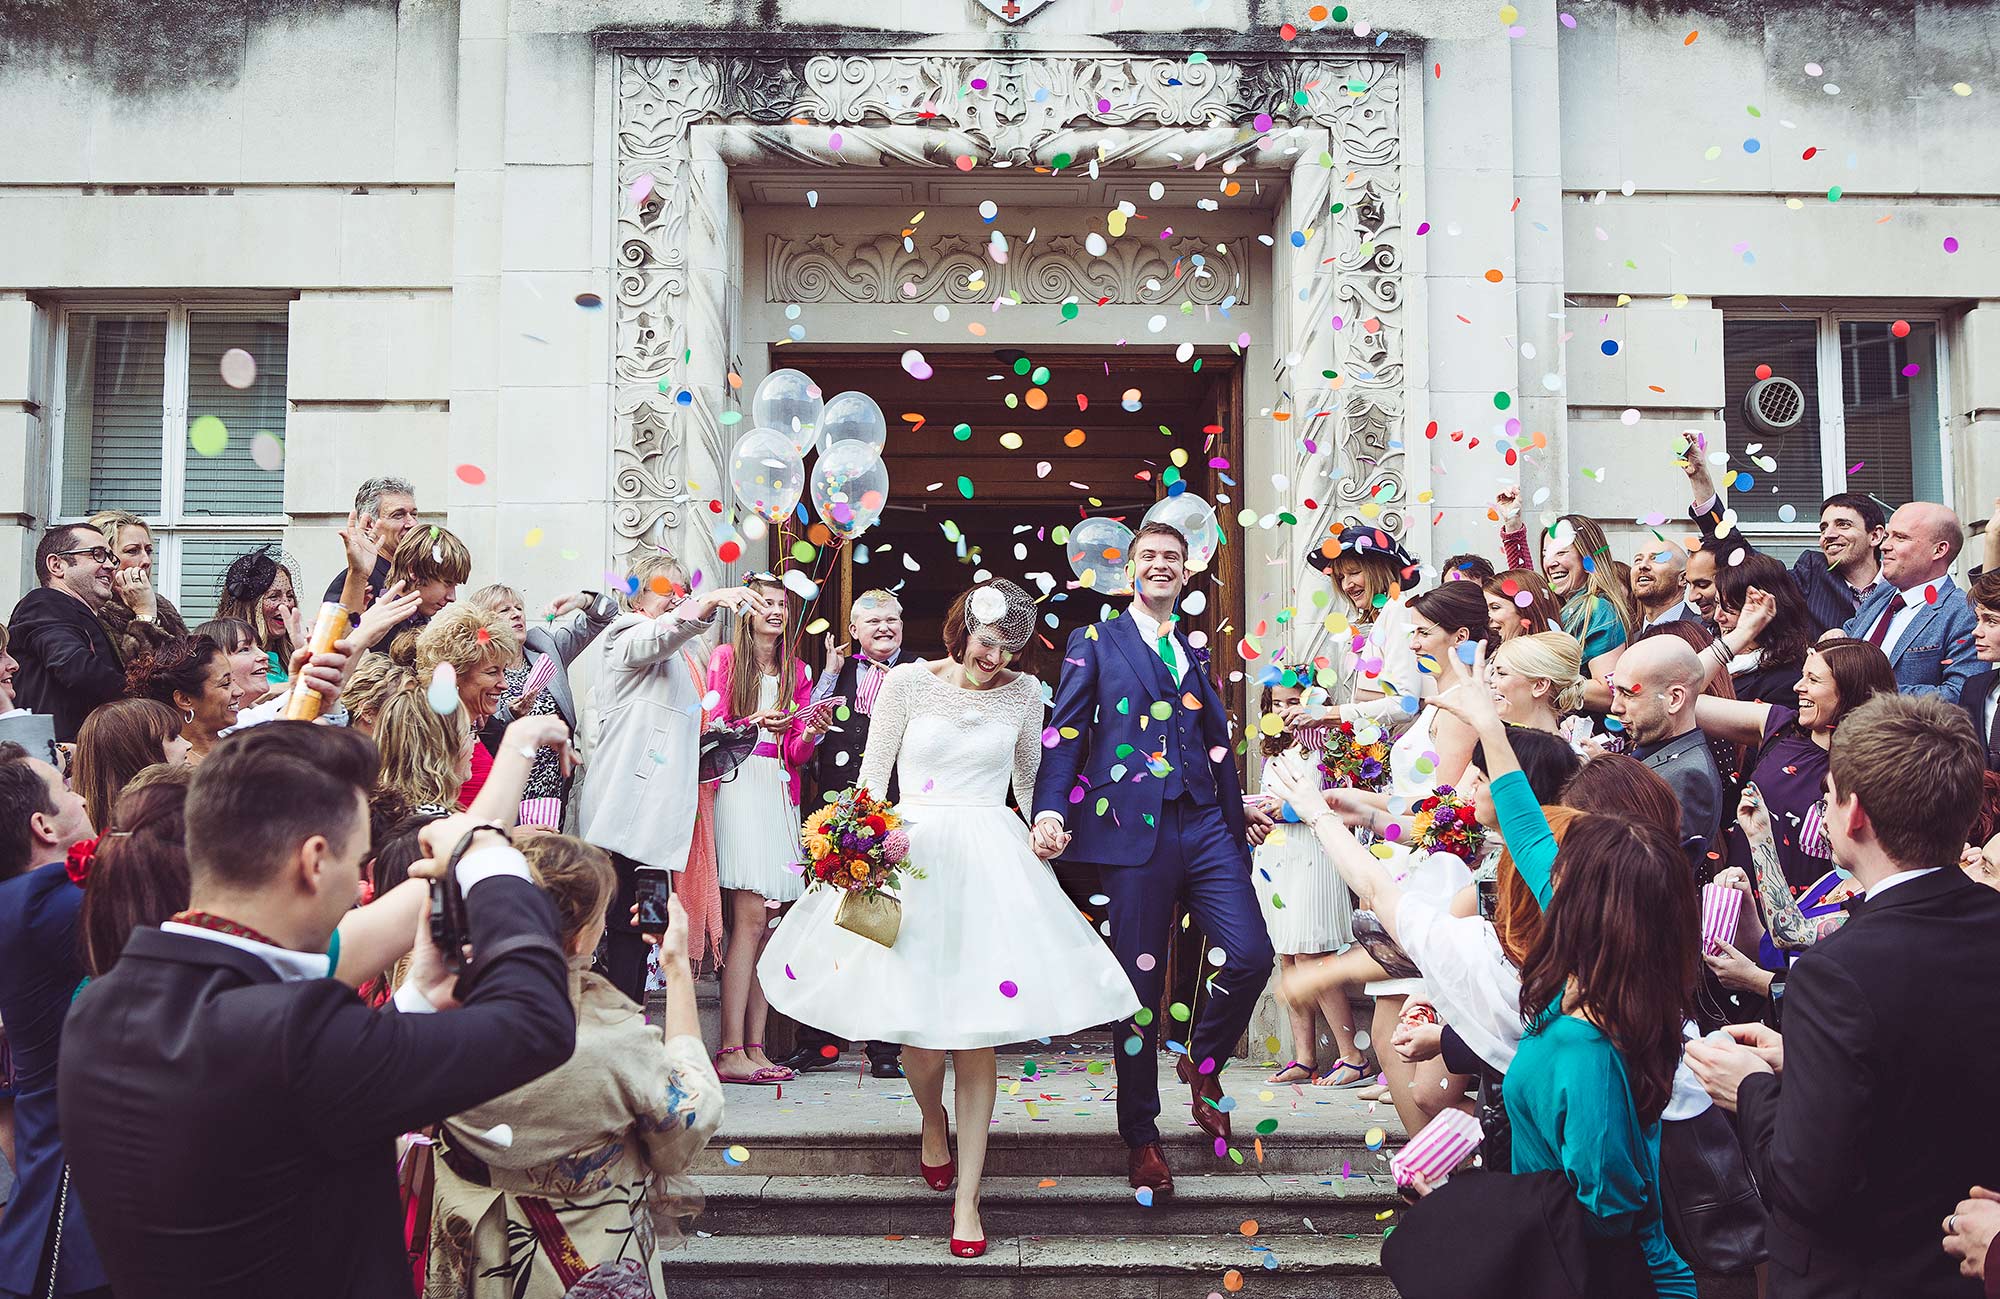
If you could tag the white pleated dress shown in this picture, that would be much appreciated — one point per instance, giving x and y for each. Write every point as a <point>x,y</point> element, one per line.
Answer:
<point>991,950</point>
<point>1307,908</point>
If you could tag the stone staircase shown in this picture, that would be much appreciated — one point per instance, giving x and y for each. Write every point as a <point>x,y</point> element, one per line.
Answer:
<point>813,1190</point>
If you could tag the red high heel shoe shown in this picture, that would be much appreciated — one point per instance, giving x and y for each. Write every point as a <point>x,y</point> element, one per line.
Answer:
<point>939,1176</point>
<point>965,1248</point>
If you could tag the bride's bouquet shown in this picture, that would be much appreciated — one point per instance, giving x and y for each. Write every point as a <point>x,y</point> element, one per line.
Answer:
<point>856,844</point>
<point>1355,757</point>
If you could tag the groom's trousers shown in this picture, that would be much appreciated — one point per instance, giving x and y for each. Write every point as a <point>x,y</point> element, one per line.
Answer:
<point>1195,858</point>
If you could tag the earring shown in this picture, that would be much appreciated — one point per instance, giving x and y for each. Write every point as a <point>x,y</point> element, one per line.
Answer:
<point>190,717</point>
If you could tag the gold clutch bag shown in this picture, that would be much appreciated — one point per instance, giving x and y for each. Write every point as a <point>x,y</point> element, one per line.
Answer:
<point>876,917</point>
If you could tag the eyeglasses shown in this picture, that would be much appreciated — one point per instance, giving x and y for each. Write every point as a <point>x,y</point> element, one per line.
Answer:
<point>96,554</point>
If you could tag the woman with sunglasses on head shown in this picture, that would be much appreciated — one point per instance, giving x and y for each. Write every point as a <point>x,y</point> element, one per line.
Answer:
<point>758,679</point>
<point>136,617</point>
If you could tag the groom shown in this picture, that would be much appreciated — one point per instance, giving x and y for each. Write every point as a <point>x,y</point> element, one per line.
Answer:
<point>1147,791</point>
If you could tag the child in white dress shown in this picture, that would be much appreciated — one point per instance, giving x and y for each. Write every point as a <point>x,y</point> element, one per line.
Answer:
<point>1309,913</point>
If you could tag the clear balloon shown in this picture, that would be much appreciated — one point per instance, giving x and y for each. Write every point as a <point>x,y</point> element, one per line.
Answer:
<point>1195,518</point>
<point>852,417</point>
<point>850,486</point>
<point>1098,550</point>
<point>766,474</point>
<point>790,403</point>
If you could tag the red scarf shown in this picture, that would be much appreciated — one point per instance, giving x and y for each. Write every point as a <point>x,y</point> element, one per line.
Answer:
<point>203,920</point>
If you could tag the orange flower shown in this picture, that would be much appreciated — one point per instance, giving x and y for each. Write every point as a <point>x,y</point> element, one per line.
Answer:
<point>858,868</point>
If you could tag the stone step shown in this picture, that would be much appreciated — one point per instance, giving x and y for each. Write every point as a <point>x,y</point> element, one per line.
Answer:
<point>1050,1206</point>
<point>1098,1265</point>
<point>1050,1152</point>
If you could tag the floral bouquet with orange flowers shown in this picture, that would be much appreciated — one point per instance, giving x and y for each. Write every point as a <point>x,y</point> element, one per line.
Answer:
<point>1355,757</point>
<point>1444,822</point>
<point>856,844</point>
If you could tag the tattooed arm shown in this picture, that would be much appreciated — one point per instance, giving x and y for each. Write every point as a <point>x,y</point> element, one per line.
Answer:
<point>1789,928</point>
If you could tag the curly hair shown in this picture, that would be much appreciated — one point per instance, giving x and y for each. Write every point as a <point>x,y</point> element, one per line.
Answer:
<point>177,666</point>
<point>419,746</point>
<point>467,637</point>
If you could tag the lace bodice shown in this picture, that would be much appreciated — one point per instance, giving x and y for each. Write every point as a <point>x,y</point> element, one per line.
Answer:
<point>951,745</point>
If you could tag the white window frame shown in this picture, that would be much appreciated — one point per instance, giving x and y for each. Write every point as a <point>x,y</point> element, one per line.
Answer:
<point>172,523</point>
<point>1833,409</point>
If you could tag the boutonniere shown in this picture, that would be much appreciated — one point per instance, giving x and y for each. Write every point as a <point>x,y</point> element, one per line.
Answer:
<point>1199,655</point>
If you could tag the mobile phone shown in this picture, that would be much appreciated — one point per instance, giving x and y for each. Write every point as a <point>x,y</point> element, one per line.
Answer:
<point>651,889</point>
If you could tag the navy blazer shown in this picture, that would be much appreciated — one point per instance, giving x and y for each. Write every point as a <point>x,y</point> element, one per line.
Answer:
<point>1110,680</point>
<point>1935,655</point>
<point>1877,1015</point>
<point>1977,691</point>
<point>40,967</point>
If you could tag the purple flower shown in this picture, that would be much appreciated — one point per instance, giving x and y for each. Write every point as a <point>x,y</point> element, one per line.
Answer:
<point>1446,815</point>
<point>896,846</point>
<point>1370,769</point>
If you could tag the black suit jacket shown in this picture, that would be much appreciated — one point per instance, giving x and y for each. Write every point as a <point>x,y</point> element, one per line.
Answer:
<point>68,665</point>
<point>1973,700</point>
<point>234,1134</point>
<point>1687,764</point>
<point>837,760</point>
<point>1857,1161</point>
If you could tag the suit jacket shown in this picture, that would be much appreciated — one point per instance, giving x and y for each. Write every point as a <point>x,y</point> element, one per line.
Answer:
<point>1935,655</point>
<point>1688,765</point>
<point>564,641</point>
<point>68,664</point>
<point>1973,699</point>
<point>1854,1176</point>
<point>640,792</point>
<point>1110,680</point>
<point>234,1135</point>
<point>1829,600</point>
<point>40,967</point>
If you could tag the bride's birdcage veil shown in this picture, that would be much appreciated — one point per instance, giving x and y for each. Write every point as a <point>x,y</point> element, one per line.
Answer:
<point>1003,608</point>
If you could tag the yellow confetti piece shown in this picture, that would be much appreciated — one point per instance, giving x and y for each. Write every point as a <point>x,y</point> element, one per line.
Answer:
<point>1385,1215</point>
<point>817,627</point>
<point>534,537</point>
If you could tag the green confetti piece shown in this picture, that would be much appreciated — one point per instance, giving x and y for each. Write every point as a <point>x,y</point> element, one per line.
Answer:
<point>965,487</point>
<point>1123,751</point>
<point>1040,376</point>
<point>1142,1016</point>
<point>1235,1156</point>
<point>1103,805</point>
<point>1502,400</point>
<point>1179,1012</point>
<point>729,417</point>
<point>1265,1127</point>
<point>1061,160</point>
<point>1022,365</point>
<point>962,432</point>
<point>1027,1068</point>
<point>1070,310</point>
<point>208,436</point>
<point>802,550</point>
<point>1161,710</point>
<point>1833,195</point>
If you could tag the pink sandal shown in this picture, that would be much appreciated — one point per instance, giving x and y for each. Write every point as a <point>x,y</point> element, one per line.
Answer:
<point>767,1076</point>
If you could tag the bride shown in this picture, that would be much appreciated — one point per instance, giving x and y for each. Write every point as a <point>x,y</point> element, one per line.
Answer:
<point>990,950</point>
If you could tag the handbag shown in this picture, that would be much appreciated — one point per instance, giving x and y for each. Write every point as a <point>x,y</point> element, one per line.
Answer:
<point>1708,1199</point>
<point>875,916</point>
<point>724,749</point>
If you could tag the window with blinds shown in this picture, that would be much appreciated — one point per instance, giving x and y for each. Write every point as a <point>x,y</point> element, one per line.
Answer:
<point>154,422</point>
<point>117,401</point>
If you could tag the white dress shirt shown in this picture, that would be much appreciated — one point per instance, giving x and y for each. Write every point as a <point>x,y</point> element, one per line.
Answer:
<point>1900,877</point>
<point>1906,613</point>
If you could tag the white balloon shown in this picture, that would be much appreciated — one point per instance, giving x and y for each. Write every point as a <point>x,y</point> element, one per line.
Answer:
<point>850,486</point>
<point>789,402</point>
<point>1195,519</point>
<point>852,417</point>
<point>1098,551</point>
<point>766,473</point>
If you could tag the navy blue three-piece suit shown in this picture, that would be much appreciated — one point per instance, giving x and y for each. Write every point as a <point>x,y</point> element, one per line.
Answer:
<point>1149,793</point>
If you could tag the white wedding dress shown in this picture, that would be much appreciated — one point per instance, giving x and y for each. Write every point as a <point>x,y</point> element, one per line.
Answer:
<point>990,950</point>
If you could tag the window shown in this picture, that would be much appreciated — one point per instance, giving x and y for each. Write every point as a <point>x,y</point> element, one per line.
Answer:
<point>136,382</point>
<point>1872,421</point>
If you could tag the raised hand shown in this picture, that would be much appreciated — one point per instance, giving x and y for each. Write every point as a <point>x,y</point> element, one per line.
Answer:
<point>1752,815</point>
<point>377,619</point>
<point>1298,785</point>
<point>563,604</point>
<point>1471,703</point>
<point>1507,504</point>
<point>363,547</point>
<point>135,591</point>
<point>1760,610</point>
<point>836,653</point>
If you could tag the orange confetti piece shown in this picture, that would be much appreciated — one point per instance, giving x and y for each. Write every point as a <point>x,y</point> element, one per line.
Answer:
<point>1258,1146</point>
<point>1249,1227</point>
<point>976,329</point>
<point>1036,399</point>
<point>1232,1280</point>
<point>1191,702</point>
<point>1073,438</point>
<point>735,379</point>
<point>818,535</point>
<point>1045,1183</point>
<point>1281,415</point>
<point>1690,38</point>
<point>1495,275</point>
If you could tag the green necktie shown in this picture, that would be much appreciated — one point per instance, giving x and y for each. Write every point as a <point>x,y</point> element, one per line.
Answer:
<point>1169,655</point>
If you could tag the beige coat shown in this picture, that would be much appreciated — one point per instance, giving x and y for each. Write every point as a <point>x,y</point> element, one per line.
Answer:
<point>585,1168</point>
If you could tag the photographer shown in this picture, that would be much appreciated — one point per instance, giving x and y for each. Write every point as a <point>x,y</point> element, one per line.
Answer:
<point>233,1110</point>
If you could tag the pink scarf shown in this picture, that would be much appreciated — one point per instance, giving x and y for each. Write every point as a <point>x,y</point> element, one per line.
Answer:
<point>699,887</point>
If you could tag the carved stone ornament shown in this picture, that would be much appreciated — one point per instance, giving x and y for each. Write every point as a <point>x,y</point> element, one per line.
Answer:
<point>1336,303</point>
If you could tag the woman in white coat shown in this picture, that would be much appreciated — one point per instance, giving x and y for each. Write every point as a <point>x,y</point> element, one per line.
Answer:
<point>640,794</point>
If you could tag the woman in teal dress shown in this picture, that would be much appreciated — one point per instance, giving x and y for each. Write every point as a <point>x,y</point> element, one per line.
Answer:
<point>1604,992</point>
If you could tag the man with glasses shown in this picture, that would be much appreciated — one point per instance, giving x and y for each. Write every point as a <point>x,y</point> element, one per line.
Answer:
<point>68,665</point>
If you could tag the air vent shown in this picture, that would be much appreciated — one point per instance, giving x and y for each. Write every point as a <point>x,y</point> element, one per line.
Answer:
<point>1774,405</point>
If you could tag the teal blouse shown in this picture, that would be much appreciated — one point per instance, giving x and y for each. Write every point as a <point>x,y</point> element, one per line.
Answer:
<point>1594,621</point>
<point>1526,832</point>
<point>1570,1106</point>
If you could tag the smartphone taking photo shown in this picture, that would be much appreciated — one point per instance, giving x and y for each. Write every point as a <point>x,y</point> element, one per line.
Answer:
<point>651,889</point>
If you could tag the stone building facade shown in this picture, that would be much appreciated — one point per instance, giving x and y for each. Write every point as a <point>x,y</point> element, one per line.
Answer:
<point>535,254</point>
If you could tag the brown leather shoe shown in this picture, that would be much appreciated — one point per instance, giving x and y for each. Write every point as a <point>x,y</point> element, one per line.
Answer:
<point>1206,1088</point>
<point>1149,1169</point>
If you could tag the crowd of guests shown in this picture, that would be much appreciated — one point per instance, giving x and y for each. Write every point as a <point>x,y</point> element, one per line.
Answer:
<point>219,985</point>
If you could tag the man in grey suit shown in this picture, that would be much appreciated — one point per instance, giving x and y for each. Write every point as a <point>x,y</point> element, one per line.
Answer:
<point>1653,690</point>
<point>1917,614</point>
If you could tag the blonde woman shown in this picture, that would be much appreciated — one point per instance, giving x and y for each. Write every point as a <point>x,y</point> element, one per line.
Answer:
<point>476,645</point>
<point>1597,607</point>
<point>1537,680</point>
<point>426,756</point>
<point>594,1154</point>
<point>583,616</point>
<point>136,617</point>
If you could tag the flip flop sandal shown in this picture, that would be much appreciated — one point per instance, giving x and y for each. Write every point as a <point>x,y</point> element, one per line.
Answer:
<point>1331,1078</point>
<point>1288,1068</point>
<point>769,1076</point>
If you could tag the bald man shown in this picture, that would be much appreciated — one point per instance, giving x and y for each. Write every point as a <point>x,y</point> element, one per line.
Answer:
<point>1917,614</point>
<point>1659,583</point>
<point>1653,690</point>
